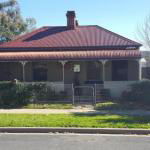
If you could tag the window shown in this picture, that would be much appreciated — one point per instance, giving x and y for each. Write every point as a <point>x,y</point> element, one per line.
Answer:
<point>120,70</point>
<point>40,72</point>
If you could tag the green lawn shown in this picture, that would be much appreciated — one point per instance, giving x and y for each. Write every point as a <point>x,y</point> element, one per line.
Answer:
<point>74,120</point>
<point>49,106</point>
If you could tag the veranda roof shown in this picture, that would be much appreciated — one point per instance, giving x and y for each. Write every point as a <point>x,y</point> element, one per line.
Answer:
<point>70,55</point>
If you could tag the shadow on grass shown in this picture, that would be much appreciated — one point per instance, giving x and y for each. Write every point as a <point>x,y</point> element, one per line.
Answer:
<point>118,121</point>
<point>128,119</point>
<point>119,106</point>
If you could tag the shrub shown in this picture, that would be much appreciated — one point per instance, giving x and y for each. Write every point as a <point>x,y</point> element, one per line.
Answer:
<point>41,92</point>
<point>18,94</point>
<point>38,90</point>
<point>12,94</point>
<point>138,92</point>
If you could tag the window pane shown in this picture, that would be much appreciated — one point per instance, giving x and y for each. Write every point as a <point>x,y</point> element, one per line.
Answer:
<point>120,70</point>
<point>40,74</point>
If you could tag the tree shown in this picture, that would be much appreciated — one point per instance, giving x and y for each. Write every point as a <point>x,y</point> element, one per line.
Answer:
<point>143,33</point>
<point>11,21</point>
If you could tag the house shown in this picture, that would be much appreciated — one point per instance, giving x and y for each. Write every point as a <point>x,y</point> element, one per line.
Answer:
<point>75,53</point>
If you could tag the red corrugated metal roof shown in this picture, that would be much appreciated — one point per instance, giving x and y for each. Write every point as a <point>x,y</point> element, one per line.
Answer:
<point>69,55</point>
<point>62,37</point>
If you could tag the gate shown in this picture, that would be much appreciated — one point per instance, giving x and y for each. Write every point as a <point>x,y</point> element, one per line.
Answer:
<point>83,95</point>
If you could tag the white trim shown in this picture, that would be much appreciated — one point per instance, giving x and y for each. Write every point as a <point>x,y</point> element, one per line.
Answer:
<point>63,69</point>
<point>23,69</point>
<point>103,68</point>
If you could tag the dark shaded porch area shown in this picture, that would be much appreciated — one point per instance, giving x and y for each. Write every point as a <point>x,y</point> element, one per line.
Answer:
<point>69,72</point>
<point>10,71</point>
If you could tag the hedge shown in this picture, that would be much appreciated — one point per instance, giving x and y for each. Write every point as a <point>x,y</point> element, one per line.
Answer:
<point>138,92</point>
<point>14,94</point>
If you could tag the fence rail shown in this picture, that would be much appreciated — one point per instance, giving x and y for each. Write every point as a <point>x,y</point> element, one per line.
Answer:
<point>69,93</point>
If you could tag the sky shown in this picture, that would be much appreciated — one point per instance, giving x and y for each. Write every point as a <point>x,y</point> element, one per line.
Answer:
<point>120,16</point>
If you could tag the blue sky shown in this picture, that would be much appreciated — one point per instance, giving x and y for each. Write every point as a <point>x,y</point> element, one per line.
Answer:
<point>120,16</point>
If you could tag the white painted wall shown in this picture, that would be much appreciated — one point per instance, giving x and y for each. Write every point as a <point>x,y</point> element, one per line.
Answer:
<point>56,86</point>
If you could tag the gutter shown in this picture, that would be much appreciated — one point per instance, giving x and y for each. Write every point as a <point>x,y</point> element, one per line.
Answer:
<point>74,130</point>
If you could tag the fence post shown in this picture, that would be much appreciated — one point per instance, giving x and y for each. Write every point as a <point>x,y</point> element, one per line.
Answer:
<point>72,94</point>
<point>95,93</point>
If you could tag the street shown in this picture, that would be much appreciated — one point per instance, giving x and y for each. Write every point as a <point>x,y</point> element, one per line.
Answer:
<point>73,142</point>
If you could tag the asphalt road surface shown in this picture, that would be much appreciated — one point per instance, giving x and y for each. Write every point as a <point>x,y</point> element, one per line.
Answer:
<point>73,142</point>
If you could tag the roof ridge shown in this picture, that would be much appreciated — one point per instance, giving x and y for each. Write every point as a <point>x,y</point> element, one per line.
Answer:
<point>116,34</point>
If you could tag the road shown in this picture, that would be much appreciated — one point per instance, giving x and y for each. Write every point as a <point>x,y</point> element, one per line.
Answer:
<point>73,142</point>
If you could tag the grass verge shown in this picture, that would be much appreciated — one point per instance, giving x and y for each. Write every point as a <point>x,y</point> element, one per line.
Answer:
<point>74,120</point>
<point>48,106</point>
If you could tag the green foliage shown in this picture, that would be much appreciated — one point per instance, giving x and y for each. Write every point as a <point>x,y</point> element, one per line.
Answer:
<point>12,94</point>
<point>19,94</point>
<point>11,21</point>
<point>139,92</point>
<point>41,92</point>
<point>7,4</point>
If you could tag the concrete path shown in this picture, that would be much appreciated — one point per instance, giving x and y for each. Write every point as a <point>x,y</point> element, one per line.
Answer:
<point>83,110</point>
<point>47,111</point>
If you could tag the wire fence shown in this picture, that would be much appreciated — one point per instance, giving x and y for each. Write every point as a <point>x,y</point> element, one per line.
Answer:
<point>69,93</point>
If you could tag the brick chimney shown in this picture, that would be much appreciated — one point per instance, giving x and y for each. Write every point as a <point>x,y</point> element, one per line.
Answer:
<point>71,20</point>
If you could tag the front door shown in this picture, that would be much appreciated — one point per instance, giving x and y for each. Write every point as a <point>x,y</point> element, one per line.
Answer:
<point>76,79</point>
